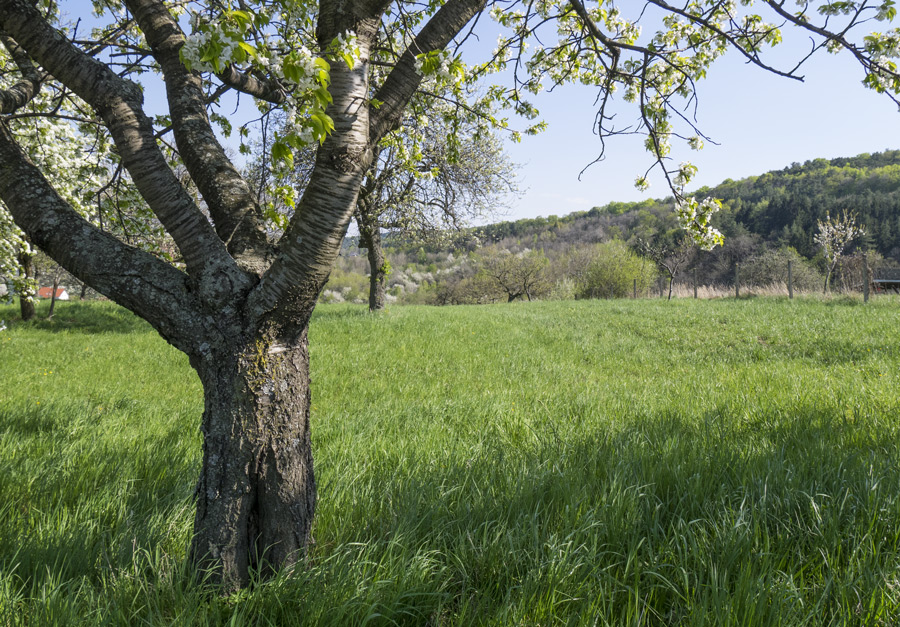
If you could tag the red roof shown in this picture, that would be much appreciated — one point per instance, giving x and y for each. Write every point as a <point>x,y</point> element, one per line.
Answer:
<point>46,292</point>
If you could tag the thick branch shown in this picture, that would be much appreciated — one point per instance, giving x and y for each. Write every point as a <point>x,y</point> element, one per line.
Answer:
<point>22,92</point>
<point>119,102</point>
<point>236,216</point>
<point>403,81</point>
<point>264,89</point>
<point>151,288</point>
<point>312,241</point>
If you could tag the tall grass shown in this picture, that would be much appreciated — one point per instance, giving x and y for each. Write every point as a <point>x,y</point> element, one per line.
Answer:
<point>729,462</point>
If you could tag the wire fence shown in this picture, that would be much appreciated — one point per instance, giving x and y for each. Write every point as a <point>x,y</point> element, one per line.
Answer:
<point>854,275</point>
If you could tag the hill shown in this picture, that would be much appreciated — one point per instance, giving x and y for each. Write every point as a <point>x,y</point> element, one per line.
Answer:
<point>778,208</point>
<point>767,221</point>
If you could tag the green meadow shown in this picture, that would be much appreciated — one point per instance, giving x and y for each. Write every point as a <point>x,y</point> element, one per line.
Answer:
<point>722,462</point>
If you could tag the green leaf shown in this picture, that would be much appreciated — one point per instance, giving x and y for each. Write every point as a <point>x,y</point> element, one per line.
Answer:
<point>243,18</point>
<point>250,50</point>
<point>323,97</point>
<point>282,152</point>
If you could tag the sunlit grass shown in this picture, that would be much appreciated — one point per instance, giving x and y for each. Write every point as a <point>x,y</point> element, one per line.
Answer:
<point>611,463</point>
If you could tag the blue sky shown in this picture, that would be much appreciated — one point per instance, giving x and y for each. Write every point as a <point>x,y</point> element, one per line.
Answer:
<point>761,121</point>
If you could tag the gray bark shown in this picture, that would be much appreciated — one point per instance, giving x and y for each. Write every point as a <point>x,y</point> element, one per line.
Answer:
<point>237,217</point>
<point>370,237</point>
<point>26,308</point>
<point>257,492</point>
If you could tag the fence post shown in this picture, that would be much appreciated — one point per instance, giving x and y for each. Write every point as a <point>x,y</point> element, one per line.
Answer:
<point>635,288</point>
<point>865,278</point>
<point>790,279</point>
<point>737,280</point>
<point>695,283</point>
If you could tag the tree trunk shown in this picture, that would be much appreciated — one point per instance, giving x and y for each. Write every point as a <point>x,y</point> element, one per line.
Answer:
<point>257,492</point>
<point>827,277</point>
<point>26,301</point>
<point>371,237</point>
<point>84,289</point>
<point>53,295</point>
<point>671,280</point>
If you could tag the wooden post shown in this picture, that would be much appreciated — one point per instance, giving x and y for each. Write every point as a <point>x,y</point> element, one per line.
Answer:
<point>695,283</point>
<point>790,279</point>
<point>737,281</point>
<point>865,278</point>
<point>635,288</point>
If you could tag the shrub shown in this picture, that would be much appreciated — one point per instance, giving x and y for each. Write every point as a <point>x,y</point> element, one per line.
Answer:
<point>613,270</point>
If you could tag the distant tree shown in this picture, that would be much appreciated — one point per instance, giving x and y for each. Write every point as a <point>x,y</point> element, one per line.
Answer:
<point>420,186</point>
<point>517,274</point>
<point>834,236</point>
<point>669,257</point>
<point>771,266</point>
<point>443,189</point>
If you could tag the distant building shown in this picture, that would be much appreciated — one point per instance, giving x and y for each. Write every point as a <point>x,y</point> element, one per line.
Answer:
<point>47,292</point>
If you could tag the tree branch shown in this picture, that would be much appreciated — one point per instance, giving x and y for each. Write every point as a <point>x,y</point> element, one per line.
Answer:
<point>403,81</point>
<point>22,92</point>
<point>151,288</point>
<point>120,103</point>
<point>265,89</point>
<point>236,216</point>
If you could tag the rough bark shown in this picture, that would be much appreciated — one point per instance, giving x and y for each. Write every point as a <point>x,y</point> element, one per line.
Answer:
<point>257,492</point>
<point>24,90</point>
<point>120,104</point>
<point>26,307</point>
<point>370,235</point>
<point>151,288</point>
<point>312,241</point>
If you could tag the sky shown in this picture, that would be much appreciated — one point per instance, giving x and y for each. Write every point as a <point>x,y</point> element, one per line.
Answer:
<point>761,122</point>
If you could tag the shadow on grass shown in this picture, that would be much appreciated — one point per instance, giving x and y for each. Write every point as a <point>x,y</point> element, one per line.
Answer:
<point>614,514</point>
<point>77,505</point>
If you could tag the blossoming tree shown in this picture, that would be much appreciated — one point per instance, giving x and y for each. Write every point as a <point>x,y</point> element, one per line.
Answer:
<point>834,236</point>
<point>240,304</point>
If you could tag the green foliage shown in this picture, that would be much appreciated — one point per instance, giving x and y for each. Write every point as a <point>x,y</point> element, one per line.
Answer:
<point>613,270</point>
<point>713,463</point>
<point>782,207</point>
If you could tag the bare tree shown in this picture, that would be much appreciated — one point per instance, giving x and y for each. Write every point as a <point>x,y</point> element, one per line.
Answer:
<point>670,258</point>
<point>519,275</point>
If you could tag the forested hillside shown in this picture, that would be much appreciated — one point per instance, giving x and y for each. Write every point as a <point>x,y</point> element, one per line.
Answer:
<point>767,221</point>
<point>780,208</point>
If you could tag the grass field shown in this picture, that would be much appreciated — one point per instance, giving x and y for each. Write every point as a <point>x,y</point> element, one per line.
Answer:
<point>730,462</point>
